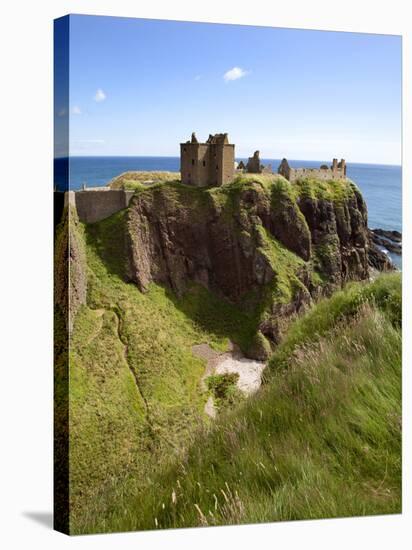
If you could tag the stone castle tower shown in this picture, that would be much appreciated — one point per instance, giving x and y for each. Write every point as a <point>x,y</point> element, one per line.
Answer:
<point>206,164</point>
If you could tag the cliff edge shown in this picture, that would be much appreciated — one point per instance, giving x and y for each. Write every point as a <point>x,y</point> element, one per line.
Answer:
<point>262,243</point>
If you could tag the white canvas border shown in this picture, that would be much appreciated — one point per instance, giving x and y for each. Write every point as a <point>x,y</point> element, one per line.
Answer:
<point>26,280</point>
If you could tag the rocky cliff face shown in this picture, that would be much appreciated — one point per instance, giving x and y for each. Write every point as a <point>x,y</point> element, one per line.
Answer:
<point>339,234</point>
<point>262,243</point>
<point>177,236</point>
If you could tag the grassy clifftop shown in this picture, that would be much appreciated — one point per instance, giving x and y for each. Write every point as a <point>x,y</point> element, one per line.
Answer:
<point>140,180</point>
<point>331,189</point>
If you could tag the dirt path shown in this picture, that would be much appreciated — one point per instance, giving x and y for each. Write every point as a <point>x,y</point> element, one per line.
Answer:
<point>99,317</point>
<point>99,312</point>
<point>119,330</point>
<point>249,371</point>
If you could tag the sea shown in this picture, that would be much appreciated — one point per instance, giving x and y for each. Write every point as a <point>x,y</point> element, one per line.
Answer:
<point>381,185</point>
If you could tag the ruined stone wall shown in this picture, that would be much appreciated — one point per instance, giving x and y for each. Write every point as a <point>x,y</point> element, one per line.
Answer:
<point>253,165</point>
<point>93,206</point>
<point>321,174</point>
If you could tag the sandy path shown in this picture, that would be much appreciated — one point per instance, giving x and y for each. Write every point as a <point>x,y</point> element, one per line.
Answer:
<point>249,371</point>
<point>233,361</point>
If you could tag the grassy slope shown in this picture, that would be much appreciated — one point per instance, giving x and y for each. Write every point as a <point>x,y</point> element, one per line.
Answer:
<point>136,396</point>
<point>135,389</point>
<point>321,439</point>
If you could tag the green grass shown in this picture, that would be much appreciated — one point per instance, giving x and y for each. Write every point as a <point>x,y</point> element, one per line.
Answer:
<point>140,180</point>
<point>384,292</point>
<point>217,320</point>
<point>228,195</point>
<point>224,390</point>
<point>135,392</point>
<point>321,439</point>
<point>285,265</point>
<point>332,190</point>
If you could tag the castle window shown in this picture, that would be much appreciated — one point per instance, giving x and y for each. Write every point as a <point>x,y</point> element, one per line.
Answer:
<point>204,163</point>
<point>193,162</point>
<point>184,149</point>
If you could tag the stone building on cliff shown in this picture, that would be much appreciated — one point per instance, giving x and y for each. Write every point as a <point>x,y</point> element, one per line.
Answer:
<point>335,172</point>
<point>254,165</point>
<point>206,164</point>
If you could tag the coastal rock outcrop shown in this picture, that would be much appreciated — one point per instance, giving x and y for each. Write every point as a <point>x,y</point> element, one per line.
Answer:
<point>176,237</point>
<point>339,235</point>
<point>261,244</point>
<point>379,260</point>
<point>389,240</point>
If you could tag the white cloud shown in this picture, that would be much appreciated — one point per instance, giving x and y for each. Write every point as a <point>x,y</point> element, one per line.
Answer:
<point>99,95</point>
<point>76,110</point>
<point>234,74</point>
<point>198,77</point>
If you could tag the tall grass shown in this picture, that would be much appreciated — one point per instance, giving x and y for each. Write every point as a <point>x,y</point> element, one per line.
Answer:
<point>135,385</point>
<point>322,438</point>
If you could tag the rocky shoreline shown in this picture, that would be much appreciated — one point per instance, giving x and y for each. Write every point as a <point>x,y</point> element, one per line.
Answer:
<point>391,240</point>
<point>382,241</point>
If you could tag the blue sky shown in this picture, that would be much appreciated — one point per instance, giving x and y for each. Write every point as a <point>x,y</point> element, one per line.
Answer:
<point>140,87</point>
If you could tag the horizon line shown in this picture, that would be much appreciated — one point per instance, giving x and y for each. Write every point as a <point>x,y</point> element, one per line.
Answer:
<point>239,157</point>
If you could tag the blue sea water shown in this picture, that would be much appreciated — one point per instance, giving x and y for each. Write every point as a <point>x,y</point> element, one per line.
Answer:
<point>381,185</point>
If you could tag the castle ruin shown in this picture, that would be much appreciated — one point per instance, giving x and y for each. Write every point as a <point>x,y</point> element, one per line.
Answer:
<point>206,164</point>
<point>254,165</point>
<point>202,165</point>
<point>335,172</point>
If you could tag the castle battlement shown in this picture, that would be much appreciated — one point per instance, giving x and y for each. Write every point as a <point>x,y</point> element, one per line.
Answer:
<point>336,171</point>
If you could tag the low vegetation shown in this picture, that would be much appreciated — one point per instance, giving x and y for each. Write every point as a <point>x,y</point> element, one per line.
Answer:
<point>335,190</point>
<point>142,180</point>
<point>224,390</point>
<point>322,436</point>
<point>135,391</point>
